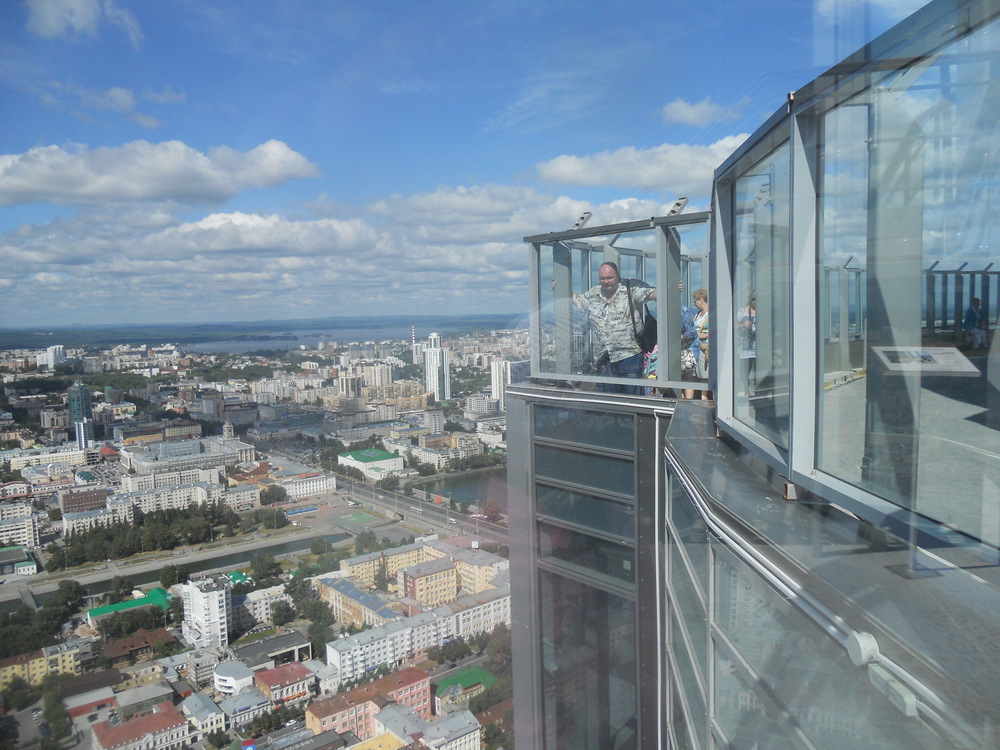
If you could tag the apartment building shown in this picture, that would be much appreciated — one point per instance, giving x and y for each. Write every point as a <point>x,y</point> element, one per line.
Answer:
<point>33,667</point>
<point>354,710</point>
<point>208,612</point>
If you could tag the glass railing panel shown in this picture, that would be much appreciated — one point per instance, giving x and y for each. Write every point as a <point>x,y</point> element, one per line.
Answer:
<point>831,699</point>
<point>761,273</point>
<point>585,324</point>
<point>908,404</point>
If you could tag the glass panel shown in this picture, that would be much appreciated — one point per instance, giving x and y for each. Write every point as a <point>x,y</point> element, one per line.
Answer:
<point>579,508</point>
<point>910,191</point>
<point>831,700</point>
<point>684,673</point>
<point>601,472</point>
<point>589,554</point>
<point>690,607</point>
<point>588,664</point>
<point>678,721</point>
<point>692,534</point>
<point>761,257</point>
<point>741,714</point>
<point>599,429</point>
<point>584,329</point>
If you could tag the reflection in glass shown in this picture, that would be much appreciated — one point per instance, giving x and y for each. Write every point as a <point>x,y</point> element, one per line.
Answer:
<point>591,555</point>
<point>908,402</point>
<point>588,663</point>
<point>691,534</point>
<point>600,472</point>
<point>686,601</point>
<point>831,700</point>
<point>761,257</point>
<point>600,429</point>
<point>694,693</point>
<point>581,509</point>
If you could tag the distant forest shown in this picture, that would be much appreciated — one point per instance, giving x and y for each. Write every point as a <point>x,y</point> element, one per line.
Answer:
<point>104,336</point>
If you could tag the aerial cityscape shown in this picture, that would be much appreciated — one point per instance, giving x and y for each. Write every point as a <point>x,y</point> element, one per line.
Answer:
<point>481,376</point>
<point>189,515</point>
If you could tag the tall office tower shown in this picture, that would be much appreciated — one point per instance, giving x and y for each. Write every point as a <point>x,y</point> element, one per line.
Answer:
<point>85,434</point>
<point>812,558</point>
<point>504,372</point>
<point>437,373</point>
<point>434,341</point>
<point>208,612</point>
<point>80,407</point>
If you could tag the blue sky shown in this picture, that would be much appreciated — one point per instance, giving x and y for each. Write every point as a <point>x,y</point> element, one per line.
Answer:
<point>229,160</point>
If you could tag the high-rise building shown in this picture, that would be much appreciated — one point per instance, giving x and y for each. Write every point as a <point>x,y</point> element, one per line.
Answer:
<point>504,372</point>
<point>80,404</point>
<point>437,372</point>
<point>55,355</point>
<point>85,434</point>
<point>809,559</point>
<point>208,612</point>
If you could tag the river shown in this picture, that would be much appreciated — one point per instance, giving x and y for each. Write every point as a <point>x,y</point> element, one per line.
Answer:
<point>472,487</point>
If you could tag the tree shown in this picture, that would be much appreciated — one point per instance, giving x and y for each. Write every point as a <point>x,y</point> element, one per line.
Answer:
<point>492,509</point>
<point>382,576</point>
<point>218,739</point>
<point>120,590</point>
<point>282,613</point>
<point>273,495</point>
<point>389,483</point>
<point>171,574</point>
<point>17,694</point>
<point>264,568</point>
<point>320,546</point>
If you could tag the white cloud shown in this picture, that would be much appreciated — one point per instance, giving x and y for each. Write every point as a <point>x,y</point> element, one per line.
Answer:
<point>116,99</point>
<point>453,248</point>
<point>678,169</point>
<point>52,18</point>
<point>548,100</point>
<point>145,171</point>
<point>167,96</point>
<point>59,18</point>
<point>700,113</point>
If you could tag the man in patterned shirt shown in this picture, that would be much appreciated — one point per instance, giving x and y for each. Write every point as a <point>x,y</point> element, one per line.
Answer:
<point>607,307</point>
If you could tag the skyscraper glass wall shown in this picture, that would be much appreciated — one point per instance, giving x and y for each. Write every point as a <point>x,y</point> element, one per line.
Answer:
<point>810,560</point>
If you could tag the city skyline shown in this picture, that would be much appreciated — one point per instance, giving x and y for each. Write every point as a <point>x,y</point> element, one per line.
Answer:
<point>183,163</point>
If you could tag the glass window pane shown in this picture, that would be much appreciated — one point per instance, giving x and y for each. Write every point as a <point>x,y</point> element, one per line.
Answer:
<point>684,673</point>
<point>686,601</point>
<point>909,191</point>
<point>587,553</point>
<point>691,533</point>
<point>588,665</point>
<point>761,262</point>
<point>600,472</point>
<point>598,429</point>
<point>600,514</point>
